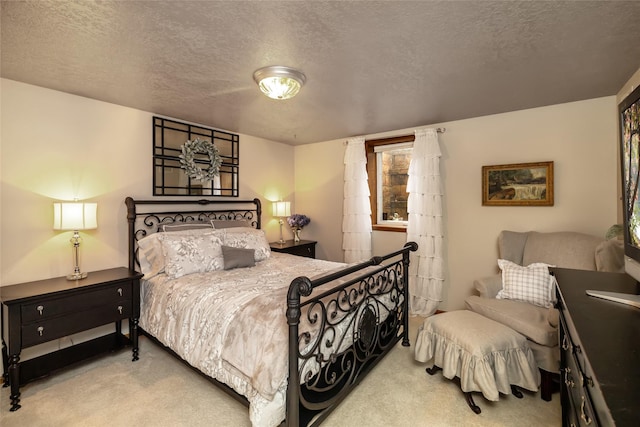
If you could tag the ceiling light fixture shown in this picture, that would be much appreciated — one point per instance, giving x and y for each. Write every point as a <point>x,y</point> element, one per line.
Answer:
<point>279,82</point>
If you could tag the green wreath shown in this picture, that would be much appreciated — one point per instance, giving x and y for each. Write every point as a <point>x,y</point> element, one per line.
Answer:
<point>188,163</point>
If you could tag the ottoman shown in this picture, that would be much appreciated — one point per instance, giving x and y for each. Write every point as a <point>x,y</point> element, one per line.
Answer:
<point>485,355</point>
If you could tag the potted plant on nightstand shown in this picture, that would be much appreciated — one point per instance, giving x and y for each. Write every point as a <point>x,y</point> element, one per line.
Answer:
<point>297,223</point>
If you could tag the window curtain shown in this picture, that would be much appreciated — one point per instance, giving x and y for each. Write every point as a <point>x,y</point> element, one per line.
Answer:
<point>426,270</point>
<point>356,218</point>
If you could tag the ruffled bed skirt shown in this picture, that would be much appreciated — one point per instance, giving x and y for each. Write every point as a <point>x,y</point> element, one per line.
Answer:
<point>487,356</point>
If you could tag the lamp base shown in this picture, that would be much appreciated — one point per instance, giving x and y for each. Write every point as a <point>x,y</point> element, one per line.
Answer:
<point>76,276</point>
<point>281,241</point>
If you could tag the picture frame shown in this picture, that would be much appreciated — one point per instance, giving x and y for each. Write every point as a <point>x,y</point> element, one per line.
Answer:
<point>519,184</point>
<point>169,175</point>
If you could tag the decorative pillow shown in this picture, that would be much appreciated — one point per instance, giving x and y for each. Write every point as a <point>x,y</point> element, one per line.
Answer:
<point>237,257</point>
<point>185,226</point>
<point>532,284</point>
<point>248,238</point>
<point>151,254</point>
<point>229,223</point>
<point>186,254</point>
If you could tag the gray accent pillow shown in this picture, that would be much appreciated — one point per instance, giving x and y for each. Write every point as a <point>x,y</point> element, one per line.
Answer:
<point>229,223</point>
<point>238,257</point>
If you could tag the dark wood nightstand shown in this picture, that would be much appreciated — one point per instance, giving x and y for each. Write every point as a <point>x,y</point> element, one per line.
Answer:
<point>305,248</point>
<point>49,309</point>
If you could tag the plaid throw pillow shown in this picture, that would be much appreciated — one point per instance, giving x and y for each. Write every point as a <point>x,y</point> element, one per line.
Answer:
<point>532,284</point>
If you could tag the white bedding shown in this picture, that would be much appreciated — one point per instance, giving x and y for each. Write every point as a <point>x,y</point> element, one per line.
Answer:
<point>192,314</point>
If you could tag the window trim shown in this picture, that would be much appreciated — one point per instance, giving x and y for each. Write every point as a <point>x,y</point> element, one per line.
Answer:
<point>372,178</point>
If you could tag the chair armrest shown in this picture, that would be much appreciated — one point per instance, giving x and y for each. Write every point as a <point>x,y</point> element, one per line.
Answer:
<point>488,287</point>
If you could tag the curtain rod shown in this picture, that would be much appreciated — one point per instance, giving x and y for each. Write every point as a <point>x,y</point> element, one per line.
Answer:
<point>395,139</point>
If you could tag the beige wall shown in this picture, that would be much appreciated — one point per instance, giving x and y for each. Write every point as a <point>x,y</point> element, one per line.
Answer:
<point>579,137</point>
<point>56,146</point>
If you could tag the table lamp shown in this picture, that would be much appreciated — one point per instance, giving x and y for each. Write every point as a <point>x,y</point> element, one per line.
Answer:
<point>75,216</point>
<point>281,210</point>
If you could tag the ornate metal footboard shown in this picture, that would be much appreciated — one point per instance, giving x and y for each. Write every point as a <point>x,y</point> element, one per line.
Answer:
<point>339,334</point>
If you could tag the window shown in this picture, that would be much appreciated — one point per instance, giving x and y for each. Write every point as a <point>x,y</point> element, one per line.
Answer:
<point>388,167</point>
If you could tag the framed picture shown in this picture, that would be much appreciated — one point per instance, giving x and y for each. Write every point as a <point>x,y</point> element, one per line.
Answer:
<point>522,184</point>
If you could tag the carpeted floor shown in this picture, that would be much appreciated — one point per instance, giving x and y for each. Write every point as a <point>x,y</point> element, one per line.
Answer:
<point>158,390</point>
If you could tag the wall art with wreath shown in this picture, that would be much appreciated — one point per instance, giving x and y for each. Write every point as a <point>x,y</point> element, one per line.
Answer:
<point>190,160</point>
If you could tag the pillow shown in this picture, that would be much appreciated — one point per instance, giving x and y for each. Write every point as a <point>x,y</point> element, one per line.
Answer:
<point>237,257</point>
<point>191,253</point>
<point>229,223</point>
<point>151,254</point>
<point>532,284</point>
<point>248,238</point>
<point>187,226</point>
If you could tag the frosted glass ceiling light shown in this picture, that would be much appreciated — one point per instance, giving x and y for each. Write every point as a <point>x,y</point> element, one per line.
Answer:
<point>279,82</point>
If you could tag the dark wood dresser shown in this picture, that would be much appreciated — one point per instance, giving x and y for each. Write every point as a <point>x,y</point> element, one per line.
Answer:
<point>599,350</point>
<point>306,248</point>
<point>45,310</point>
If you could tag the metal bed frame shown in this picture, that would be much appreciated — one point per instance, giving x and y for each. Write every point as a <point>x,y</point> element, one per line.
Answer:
<point>348,328</point>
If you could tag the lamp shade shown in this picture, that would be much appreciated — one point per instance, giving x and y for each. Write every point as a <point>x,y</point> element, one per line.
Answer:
<point>281,209</point>
<point>75,216</point>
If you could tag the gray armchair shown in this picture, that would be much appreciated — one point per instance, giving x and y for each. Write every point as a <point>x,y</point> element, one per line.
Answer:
<point>540,325</point>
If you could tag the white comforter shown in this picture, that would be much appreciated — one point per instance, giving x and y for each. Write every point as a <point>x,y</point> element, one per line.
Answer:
<point>231,325</point>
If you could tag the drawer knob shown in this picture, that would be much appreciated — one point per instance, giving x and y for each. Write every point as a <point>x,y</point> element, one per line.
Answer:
<point>585,417</point>
<point>120,309</point>
<point>120,291</point>
<point>40,309</point>
<point>40,330</point>
<point>569,382</point>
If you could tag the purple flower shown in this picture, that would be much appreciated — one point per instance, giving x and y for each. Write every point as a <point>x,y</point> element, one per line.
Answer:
<point>298,220</point>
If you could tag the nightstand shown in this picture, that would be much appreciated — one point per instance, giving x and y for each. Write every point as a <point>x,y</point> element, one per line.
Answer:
<point>306,248</point>
<point>45,310</point>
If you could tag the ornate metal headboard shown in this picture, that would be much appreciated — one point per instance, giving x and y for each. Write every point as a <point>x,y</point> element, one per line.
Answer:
<point>145,216</point>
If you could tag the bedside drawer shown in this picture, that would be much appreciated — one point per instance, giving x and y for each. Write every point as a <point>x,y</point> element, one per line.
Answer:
<point>46,310</point>
<point>308,251</point>
<point>57,327</point>
<point>306,248</point>
<point>75,303</point>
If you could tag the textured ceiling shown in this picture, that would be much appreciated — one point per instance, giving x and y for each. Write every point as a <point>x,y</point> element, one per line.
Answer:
<point>370,66</point>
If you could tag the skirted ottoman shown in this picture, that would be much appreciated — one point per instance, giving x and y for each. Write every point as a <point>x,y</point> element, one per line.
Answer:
<point>487,356</point>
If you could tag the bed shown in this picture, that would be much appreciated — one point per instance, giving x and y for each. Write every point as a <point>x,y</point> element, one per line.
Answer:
<point>286,335</point>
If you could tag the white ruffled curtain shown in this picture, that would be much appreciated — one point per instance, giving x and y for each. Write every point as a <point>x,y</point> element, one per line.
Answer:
<point>426,270</point>
<point>356,218</point>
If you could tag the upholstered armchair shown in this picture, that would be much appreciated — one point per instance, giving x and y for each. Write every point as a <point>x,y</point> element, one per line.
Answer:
<point>540,324</point>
